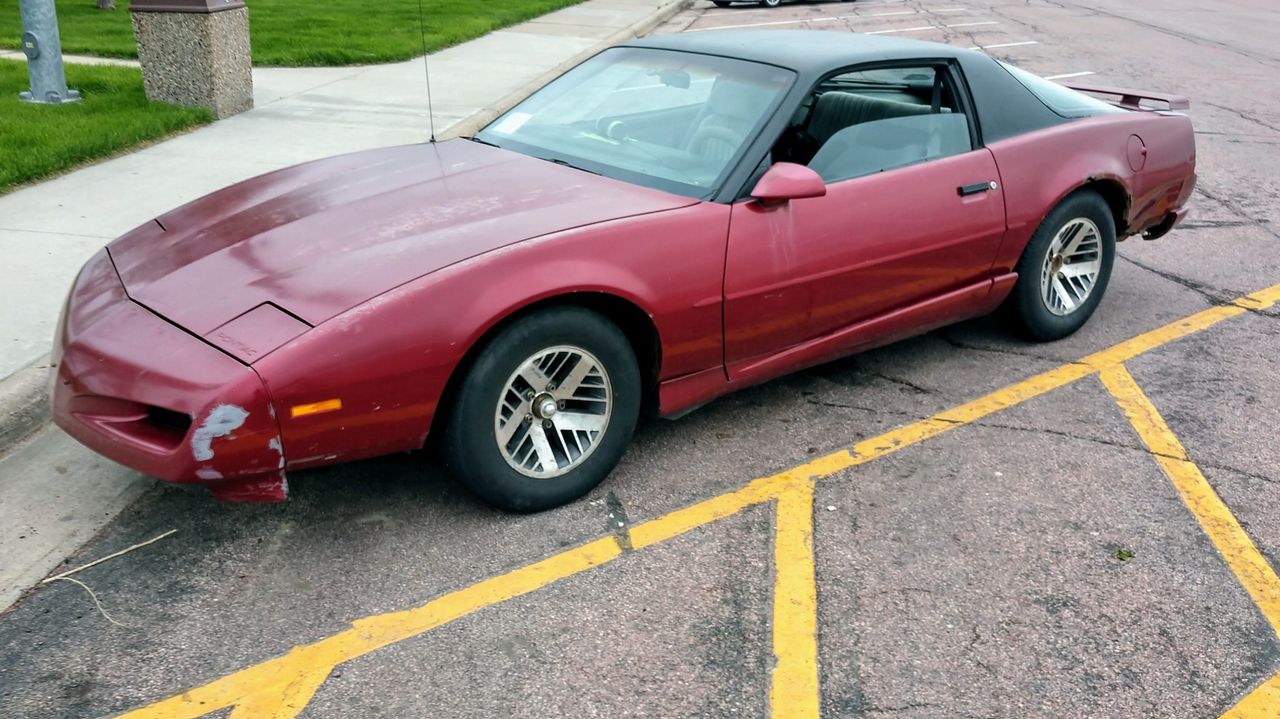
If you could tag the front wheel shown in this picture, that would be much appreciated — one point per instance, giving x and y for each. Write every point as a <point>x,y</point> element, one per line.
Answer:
<point>545,412</point>
<point>1064,270</point>
<point>721,3</point>
<point>770,3</point>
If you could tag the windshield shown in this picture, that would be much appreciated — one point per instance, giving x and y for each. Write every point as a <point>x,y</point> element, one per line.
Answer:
<point>1062,100</point>
<point>669,120</point>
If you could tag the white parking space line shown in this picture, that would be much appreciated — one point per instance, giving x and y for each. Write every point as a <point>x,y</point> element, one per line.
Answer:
<point>1005,44</point>
<point>720,13</point>
<point>1068,75</point>
<point>832,18</point>
<point>904,29</point>
<point>921,11</point>
<point>922,28</point>
<point>765,24</point>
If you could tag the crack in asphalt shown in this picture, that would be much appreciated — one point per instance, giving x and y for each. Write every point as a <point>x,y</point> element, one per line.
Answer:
<point>873,709</point>
<point>918,389</point>
<point>1264,60</point>
<point>973,651</point>
<point>619,523</point>
<point>1143,449</point>
<point>959,344</point>
<point>1215,295</point>
<point>1243,115</point>
<point>1228,205</point>
<point>1219,224</point>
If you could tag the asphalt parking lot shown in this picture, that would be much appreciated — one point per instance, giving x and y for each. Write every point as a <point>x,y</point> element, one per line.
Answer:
<point>958,525</point>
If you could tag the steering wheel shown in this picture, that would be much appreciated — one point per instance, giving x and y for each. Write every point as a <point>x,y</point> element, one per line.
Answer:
<point>612,129</point>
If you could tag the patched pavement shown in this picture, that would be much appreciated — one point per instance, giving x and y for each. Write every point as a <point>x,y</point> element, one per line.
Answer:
<point>1035,560</point>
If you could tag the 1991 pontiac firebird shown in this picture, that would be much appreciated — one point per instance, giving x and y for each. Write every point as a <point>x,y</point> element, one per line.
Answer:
<point>671,220</point>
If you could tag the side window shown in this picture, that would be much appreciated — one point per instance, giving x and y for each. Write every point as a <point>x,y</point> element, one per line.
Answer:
<point>869,121</point>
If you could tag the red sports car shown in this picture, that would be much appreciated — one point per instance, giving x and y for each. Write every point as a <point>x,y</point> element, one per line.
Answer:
<point>673,219</point>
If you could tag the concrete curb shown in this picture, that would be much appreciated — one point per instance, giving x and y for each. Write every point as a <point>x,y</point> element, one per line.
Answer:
<point>24,403</point>
<point>472,123</point>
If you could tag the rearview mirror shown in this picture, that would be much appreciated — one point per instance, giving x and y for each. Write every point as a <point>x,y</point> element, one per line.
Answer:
<point>674,78</point>
<point>788,181</point>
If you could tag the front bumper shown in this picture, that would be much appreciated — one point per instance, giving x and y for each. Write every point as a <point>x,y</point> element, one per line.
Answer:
<point>144,393</point>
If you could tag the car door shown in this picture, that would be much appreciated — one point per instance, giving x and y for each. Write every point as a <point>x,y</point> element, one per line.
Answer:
<point>901,223</point>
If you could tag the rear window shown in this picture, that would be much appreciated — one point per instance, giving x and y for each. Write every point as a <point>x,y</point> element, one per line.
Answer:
<point>1062,100</point>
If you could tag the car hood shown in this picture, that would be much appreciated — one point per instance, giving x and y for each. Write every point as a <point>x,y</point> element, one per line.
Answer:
<point>320,238</point>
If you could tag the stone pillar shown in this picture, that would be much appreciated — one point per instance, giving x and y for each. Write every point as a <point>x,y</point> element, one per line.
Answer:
<point>195,52</point>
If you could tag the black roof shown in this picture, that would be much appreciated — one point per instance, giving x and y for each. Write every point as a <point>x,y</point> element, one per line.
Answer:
<point>805,51</point>
<point>1003,106</point>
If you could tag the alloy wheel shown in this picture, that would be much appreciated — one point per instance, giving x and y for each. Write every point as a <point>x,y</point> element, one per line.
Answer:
<point>553,412</point>
<point>1071,266</point>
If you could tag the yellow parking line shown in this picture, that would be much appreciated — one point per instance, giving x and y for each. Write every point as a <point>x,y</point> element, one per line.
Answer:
<point>1244,559</point>
<point>1261,703</point>
<point>1252,570</point>
<point>793,692</point>
<point>279,688</point>
<point>695,515</point>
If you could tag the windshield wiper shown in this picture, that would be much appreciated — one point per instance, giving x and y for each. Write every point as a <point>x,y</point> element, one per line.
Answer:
<point>566,163</point>
<point>485,142</point>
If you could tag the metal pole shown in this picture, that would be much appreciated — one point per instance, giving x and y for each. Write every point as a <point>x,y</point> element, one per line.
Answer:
<point>43,48</point>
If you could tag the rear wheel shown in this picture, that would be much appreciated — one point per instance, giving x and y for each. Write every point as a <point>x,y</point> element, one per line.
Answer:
<point>770,3</point>
<point>1064,270</point>
<point>545,412</point>
<point>720,3</point>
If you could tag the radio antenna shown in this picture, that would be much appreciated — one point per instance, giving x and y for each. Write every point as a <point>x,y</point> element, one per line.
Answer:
<point>426,67</point>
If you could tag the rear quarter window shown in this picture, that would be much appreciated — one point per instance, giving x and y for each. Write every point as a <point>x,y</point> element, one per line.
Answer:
<point>1062,100</point>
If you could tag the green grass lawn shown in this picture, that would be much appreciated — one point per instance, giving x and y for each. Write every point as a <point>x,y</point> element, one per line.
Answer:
<point>37,141</point>
<point>304,32</point>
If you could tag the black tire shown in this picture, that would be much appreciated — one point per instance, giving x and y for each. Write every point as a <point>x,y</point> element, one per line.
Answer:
<point>469,444</point>
<point>1026,310</point>
<point>770,3</point>
<point>721,3</point>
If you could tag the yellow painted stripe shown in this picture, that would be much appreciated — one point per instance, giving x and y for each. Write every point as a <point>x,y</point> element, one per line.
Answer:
<point>302,410</point>
<point>1261,703</point>
<point>1233,543</point>
<point>280,687</point>
<point>1129,349</point>
<point>1261,300</point>
<point>793,692</point>
<point>695,515</point>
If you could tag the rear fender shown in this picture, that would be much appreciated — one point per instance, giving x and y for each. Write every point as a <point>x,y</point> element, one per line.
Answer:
<point>1040,169</point>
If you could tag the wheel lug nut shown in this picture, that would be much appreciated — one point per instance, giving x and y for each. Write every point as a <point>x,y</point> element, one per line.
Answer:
<point>546,424</point>
<point>528,418</point>
<point>551,386</point>
<point>561,404</point>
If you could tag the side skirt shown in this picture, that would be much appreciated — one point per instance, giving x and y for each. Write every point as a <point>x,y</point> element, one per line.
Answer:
<point>682,395</point>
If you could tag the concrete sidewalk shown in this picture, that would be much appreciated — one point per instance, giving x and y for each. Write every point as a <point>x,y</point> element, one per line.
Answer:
<point>48,230</point>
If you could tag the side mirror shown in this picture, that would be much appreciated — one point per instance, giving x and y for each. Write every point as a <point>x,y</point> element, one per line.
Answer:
<point>788,181</point>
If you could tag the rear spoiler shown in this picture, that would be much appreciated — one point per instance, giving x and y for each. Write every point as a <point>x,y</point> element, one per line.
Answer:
<point>1132,99</point>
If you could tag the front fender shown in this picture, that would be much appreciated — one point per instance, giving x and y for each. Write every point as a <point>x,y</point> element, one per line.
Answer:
<point>380,369</point>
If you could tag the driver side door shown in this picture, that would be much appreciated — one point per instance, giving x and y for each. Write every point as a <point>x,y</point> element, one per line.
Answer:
<point>812,279</point>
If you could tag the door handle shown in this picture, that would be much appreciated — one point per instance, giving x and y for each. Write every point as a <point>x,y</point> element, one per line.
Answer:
<point>977,187</point>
